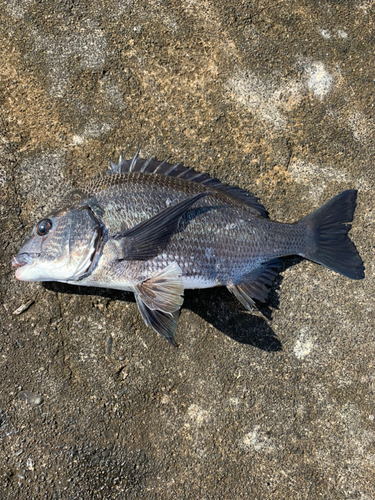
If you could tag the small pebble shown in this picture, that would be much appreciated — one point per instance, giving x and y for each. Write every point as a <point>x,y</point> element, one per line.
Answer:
<point>108,348</point>
<point>30,464</point>
<point>20,342</point>
<point>121,358</point>
<point>31,398</point>
<point>56,322</point>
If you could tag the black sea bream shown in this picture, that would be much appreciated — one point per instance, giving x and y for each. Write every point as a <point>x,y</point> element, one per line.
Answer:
<point>156,229</point>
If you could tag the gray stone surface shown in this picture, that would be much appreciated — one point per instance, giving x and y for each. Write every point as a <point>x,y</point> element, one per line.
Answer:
<point>277,97</point>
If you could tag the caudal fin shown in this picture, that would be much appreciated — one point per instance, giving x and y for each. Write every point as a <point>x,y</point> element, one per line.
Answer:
<point>328,242</point>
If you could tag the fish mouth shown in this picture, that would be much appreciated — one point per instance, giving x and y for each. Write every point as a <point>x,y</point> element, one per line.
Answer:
<point>22,259</point>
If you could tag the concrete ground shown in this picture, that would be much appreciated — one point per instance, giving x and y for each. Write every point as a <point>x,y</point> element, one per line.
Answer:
<point>274,96</point>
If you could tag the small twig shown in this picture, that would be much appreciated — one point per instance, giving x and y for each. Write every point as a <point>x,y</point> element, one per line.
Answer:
<point>23,307</point>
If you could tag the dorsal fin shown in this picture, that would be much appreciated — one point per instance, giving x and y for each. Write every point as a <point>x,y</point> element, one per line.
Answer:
<point>152,166</point>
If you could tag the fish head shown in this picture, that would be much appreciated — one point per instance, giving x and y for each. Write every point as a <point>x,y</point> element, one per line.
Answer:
<point>62,247</point>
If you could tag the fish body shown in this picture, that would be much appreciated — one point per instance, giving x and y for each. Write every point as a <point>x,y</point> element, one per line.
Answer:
<point>203,243</point>
<point>156,229</point>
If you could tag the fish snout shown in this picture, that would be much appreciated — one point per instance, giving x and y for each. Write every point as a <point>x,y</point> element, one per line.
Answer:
<point>22,259</point>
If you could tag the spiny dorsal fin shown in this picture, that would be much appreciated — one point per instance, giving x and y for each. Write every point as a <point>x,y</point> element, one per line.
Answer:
<point>152,166</point>
<point>256,285</point>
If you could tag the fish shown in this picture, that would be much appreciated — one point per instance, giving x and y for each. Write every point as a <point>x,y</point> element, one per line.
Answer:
<point>157,229</point>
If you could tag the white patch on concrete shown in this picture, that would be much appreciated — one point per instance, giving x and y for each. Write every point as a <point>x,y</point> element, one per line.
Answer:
<point>197,415</point>
<point>113,94</point>
<point>254,94</point>
<point>17,8</point>
<point>92,129</point>
<point>325,34</point>
<point>77,140</point>
<point>88,46</point>
<point>257,441</point>
<point>265,98</point>
<point>303,172</point>
<point>303,345</point>
<point>91,48</point>
<point>96,129</point>
<point>319,80</point>
<point>359,439</point>
<point>315,177</point>
<point>234,402</point>
<point>342,34</point>
<point>361,127</point>
<point>271,98</point>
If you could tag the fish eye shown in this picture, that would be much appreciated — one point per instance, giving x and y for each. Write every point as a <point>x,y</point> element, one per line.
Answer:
<point>43,227</point>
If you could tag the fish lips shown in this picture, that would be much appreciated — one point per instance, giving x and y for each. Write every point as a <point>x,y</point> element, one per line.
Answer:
<point>21,260</point>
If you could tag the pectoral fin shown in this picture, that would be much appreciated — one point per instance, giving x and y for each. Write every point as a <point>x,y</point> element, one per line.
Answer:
<point>159,300</point>
<point>147,239</point>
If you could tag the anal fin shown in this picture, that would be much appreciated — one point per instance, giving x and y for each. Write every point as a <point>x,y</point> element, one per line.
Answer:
<point>256,284</point>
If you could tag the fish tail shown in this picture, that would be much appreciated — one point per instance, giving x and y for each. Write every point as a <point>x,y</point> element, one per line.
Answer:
<point>328,242</point>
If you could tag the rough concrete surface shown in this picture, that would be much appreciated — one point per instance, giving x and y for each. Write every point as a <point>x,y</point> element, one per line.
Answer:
<point>274,96</point>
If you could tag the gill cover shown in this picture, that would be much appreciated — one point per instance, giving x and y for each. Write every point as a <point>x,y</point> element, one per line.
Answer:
<point>64,247</point>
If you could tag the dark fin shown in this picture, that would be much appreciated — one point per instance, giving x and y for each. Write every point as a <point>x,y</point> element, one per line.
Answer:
<point>242,294</point>
<point>133,161</point>
<point>113,168</point>
<point>164,324</point>
<point>152,166</point>
<point>245,196</point>
<point>256,285</point>
<point>328,241</point>
<point>147,239</point>
<point>164,290</point>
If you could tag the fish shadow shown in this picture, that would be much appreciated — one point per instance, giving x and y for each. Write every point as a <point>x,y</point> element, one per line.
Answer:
<point>216,306</point>
<point>220,308</point>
